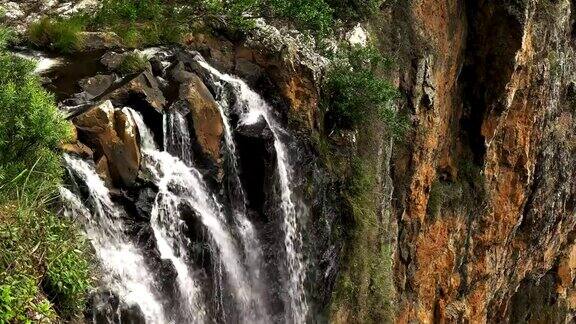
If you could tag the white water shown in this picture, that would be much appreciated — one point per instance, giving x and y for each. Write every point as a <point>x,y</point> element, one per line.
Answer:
<point>177,138</point>
<point>168,227</point>
<point>257,107</point>
<point>124,270</point>
<point>250,242</point>
<point>236,251</point>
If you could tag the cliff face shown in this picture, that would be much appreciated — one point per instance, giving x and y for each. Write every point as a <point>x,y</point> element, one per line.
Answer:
<point>485,191</point>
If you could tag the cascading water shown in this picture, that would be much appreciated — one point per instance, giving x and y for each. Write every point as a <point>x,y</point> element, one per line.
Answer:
<point>124,269</point>
<point>179,184</point>
<point>168,228</point>
<point>255,107</point>
<point>238,290</point>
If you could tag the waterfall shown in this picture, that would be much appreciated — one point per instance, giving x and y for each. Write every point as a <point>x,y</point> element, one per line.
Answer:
<point>177,136</point>
<point>124,270</point>
<point>257,107</point>
<point>168,227</point>
<point>179,183</point>
<point>237,290</point>
<point>246,230</point>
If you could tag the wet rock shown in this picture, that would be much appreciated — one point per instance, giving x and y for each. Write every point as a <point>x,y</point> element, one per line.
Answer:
<point>205,114</point>
<point>143,87</point>
<point>112,60</point>
<point>248,70</point>
<point>103,171</point>
<point>258,129</point>
<point>219,51</point>
<point>105,307</point>
<point>144,203</point>
<point>112,133</point>
<point>77,149</point>
<point>97,85</point>
<point>93,41</point>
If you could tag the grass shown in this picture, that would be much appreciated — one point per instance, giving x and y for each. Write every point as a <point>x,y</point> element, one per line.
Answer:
<point>63,35</point>
<point>142,23</point>
<point>44,263</point>
<point>133,63</point>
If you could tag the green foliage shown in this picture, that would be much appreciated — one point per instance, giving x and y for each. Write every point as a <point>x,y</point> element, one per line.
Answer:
<point>142,22</point>
<point>365,287</point>
<point>31,127</point>
<point>60,34</point>
<point>313,15</point>
<point>354,93</point>
<point>133,63</point>
<point>355,10</point>
<point>41,254</point>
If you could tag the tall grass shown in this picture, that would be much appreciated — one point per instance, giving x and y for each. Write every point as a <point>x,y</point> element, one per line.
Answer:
<point>44,263</point>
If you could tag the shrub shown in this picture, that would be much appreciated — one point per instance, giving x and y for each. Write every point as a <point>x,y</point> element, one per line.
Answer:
<point>62,34</point>
<point>354,10</point>
<point>353,92</point>
<point>142,23</point>
<point>133,63</point>
<point>41,254</point>
<point>31,127</point>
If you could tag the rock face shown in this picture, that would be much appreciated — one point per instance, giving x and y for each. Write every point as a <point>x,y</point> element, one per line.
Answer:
<point>206,118</point>
<point>486,189</point>
<point>112,135</point>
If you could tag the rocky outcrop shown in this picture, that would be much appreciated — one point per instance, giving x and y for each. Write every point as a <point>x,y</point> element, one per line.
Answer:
<point>112,134</point>
<point>206,118</point>
<point>143,87</point>
<point>489,91</point>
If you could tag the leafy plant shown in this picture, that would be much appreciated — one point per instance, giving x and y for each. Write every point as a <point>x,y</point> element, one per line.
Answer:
<point>62,34</point>
<point>39,249</point>
<point>354,93</point>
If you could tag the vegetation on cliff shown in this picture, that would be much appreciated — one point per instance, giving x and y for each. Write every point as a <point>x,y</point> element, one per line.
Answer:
<point>358,98</point>
<point>154,22</point>
<point>44,270</point>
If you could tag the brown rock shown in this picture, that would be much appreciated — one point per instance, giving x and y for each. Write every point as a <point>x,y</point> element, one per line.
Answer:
<point>206,117</point>
<point>93,41</point>
<point>96,85</point>
<point>78,149</point>
<point>112,133</point>
<point>103,171</point>
<point>145,87</point>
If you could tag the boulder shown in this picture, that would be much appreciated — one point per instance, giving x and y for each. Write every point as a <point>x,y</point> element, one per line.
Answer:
<point>112,133</point>
<point>205,114</point>
<point>97,85</point>
<point>77,149</point>
<point>258,129</point>
<point>94,41</point>
<point>142,87</point>
<point>112,60</point>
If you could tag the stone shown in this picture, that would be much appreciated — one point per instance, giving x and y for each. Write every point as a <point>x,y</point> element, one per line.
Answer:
<point>94,41</point>
<point>112,133</point>
<point>78,149</point>
<point>205,114</point>
<point>258,129</point>
<point>248,70</point>
<point>97,85</point>
<point>142,87</point>
<point>112,60</point>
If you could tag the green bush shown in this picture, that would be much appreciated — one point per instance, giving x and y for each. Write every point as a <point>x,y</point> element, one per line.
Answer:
<point>61,34</point>
<point>354,93</point>
<point>355,10</point>
<point>43,263</point>
<point>142,22</point>
<point>133,63</point>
